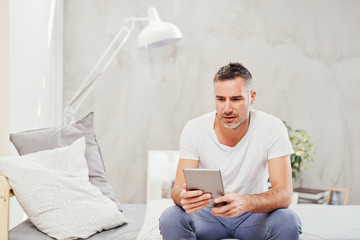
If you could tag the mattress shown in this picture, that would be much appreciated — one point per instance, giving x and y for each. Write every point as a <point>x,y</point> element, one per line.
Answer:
<point>134,213</point>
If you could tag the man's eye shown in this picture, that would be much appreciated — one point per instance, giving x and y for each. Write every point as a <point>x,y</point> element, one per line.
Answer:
<point>220,99</point>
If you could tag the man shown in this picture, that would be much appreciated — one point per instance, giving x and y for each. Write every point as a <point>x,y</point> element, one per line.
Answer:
<point>248,147</point>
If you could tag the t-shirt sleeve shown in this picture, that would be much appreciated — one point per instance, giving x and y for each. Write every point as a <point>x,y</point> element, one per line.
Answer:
<point>188,146</point>
<point>280,144</point>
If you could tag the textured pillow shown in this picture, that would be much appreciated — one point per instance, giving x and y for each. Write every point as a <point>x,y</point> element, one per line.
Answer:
<point>54,190</point>
<point>50,138</point>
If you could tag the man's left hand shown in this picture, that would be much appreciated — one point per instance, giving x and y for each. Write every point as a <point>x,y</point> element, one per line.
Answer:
<point>236,205</point>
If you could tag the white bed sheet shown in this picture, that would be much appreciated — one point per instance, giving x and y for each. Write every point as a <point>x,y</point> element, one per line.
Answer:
<point>318,221</point>
<point>329,221</point>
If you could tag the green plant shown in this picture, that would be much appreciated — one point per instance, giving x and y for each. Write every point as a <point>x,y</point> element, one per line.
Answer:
<point>303,148</point>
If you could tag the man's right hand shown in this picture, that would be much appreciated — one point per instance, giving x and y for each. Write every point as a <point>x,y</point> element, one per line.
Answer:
<point>192,201</point>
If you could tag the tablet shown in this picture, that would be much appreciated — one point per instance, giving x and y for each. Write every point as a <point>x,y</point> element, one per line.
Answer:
<point>207,180</point>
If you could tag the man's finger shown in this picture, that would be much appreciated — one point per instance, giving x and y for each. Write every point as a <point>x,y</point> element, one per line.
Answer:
<point>191,210</point>
<point>226,198</point>
<point>193,207</point>
<point>222,209</point>
<point>195,193</point>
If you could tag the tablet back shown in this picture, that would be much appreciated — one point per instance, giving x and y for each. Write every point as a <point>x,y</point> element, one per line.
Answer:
<point>207,180</point>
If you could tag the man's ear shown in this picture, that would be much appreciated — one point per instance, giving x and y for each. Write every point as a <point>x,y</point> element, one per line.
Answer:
<point>252,97</point>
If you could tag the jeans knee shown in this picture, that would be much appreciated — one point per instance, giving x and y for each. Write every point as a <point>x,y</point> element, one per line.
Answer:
<point>285,224</point>
<point>170,217</point>
<point>173,224</point>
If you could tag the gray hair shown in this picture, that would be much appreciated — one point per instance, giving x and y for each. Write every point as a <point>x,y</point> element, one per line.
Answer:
<point>232,71</point>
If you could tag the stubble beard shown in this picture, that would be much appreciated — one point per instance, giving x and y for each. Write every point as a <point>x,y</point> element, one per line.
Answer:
<point>232,126</point>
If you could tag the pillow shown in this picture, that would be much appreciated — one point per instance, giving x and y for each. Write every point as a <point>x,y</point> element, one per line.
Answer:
<point>54,190</point>
<point>50,138</point>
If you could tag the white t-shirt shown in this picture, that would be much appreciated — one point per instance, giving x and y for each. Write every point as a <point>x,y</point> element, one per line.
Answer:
<point>244,168</point>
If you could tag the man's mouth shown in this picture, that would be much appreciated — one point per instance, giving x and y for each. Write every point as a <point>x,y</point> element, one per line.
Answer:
<point>229,118</point>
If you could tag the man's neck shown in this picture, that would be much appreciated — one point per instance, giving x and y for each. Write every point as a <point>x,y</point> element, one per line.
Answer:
<point>230,136</point>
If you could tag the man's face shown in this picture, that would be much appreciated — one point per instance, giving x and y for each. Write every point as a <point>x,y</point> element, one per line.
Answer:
<point>233,101</point>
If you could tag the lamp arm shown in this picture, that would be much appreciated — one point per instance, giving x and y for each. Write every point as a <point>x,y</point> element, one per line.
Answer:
<point>100,60</point>
<point>90,81</point>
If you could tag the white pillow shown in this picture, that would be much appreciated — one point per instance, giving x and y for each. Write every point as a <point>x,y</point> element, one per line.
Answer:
<point>54,190</point>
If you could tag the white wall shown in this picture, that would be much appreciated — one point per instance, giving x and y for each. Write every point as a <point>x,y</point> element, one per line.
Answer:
<point>4,77</point>
<point>304,56</point>
<point>35,71</point>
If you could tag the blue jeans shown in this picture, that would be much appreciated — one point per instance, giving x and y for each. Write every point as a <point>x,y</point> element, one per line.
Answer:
<point>280,224</point>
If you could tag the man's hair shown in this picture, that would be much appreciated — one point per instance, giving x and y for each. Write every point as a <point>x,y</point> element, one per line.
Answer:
<point>232,71</point>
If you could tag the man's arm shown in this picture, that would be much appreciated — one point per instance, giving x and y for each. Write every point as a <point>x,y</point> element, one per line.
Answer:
<point>278,197</point>
<point>190,201</point>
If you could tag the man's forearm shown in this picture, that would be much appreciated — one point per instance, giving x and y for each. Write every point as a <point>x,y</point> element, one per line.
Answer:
<point>270,200</point>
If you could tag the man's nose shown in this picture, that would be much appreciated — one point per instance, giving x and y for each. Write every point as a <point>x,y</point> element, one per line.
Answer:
<point>228,106</point>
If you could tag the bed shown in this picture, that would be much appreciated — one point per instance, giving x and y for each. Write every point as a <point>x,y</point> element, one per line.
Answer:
<point>319,222</point>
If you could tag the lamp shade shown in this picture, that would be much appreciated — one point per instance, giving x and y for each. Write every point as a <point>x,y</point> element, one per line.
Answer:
<point>157,33</point>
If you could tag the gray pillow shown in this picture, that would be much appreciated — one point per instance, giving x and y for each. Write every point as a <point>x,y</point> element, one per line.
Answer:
<point>50,138</point>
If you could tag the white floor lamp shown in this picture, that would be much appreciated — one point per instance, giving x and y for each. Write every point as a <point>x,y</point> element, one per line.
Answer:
<point>157,33</point>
